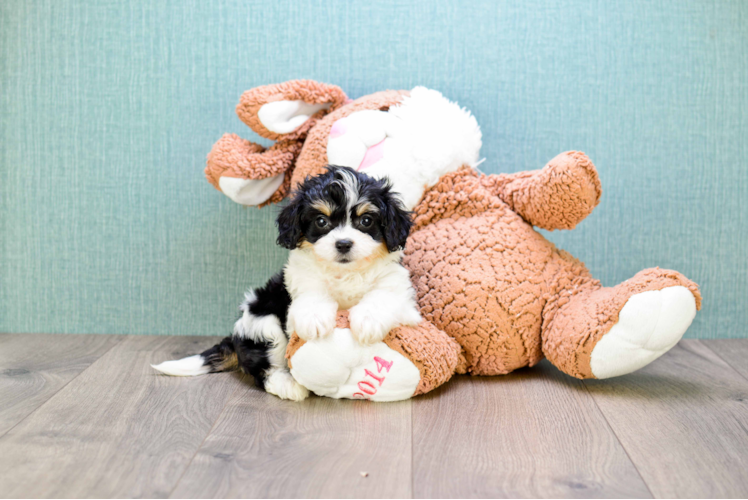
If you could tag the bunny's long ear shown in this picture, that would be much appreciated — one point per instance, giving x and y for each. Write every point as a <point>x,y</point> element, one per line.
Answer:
<point>252,175</point>
<point>286,111</point>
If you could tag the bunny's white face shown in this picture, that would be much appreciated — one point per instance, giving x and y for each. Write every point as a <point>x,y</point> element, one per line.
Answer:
<point>413,144</point>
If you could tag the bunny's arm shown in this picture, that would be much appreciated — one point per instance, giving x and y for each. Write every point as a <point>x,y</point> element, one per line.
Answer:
<point>558,196</point>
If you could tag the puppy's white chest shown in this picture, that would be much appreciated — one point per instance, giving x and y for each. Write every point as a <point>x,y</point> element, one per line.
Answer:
<point>347,289</point>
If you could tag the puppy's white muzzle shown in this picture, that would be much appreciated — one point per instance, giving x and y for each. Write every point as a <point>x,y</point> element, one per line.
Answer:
<point>345,245</point>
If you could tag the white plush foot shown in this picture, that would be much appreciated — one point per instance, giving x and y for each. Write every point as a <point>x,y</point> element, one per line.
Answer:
<point>337,366</point>
<point>282,384</point>
<point>250,192</point>
<point>649,325</point>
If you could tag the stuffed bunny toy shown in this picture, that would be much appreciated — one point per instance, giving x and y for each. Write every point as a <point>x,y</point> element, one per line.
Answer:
<point>495,294</point>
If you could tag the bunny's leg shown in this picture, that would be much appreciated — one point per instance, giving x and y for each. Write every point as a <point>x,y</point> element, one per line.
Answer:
<point>596,332</point>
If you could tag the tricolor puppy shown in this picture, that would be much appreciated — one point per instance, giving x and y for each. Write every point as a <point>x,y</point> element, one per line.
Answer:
<point>345,231</point>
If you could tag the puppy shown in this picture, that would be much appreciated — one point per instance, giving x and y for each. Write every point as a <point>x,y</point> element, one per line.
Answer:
<point>346,232</point>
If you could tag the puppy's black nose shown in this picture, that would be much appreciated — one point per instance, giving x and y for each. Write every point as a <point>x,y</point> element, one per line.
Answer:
<point>344,246</point>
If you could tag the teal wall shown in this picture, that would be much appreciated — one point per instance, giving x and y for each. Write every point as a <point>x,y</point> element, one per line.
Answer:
<point>109,108</point>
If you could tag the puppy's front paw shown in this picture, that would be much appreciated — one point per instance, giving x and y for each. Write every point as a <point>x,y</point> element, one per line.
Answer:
<point>311,323</point>
<point>366,326</point>
<point>283,385</point>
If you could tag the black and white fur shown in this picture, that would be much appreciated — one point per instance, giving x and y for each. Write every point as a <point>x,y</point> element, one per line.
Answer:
<point>346,232</point>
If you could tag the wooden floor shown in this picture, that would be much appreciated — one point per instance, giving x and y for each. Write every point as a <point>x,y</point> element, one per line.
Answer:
<point>85,416</point>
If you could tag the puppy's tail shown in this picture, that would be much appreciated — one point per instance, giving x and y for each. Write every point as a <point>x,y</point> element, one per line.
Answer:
<point>219,358</point>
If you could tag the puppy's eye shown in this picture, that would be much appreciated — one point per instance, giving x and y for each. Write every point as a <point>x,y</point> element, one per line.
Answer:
<point>321,222</point>
<point>366,221</point>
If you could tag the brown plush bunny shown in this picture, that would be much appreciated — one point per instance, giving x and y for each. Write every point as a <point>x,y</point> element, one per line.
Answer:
<point>483,275</point>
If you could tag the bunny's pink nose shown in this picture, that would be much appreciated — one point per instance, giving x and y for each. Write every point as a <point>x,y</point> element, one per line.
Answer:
<point>373,155</point>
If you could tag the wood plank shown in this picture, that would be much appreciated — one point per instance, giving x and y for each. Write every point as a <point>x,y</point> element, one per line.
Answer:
<point>33,367</point>
<point>683,421</point>
<point>118,429</point>
<point>733,351</point>
<point>264,447</point>
<point>533,433</point>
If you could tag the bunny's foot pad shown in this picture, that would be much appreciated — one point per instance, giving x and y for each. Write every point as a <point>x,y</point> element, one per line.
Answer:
<point>337,366</point>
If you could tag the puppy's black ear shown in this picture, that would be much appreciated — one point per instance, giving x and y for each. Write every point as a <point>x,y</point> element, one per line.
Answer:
<point>289,224</point>
<point>396,221</point>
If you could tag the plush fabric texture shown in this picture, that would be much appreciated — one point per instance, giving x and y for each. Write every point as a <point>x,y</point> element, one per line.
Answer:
<point>233,156</point>
<point>435,354</point>
<point>413,143</point>
<point>577,321</point>
<point>482,274</point>
<point>313,157</point>
<point>559,196</point>
<point>308,91</point>
<point>239,158</point>
<point>649,325</point>
<point>490,281</point>
<point>337,368</point>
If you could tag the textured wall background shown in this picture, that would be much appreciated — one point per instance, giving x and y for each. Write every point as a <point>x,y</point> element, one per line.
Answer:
<point>109,108</point>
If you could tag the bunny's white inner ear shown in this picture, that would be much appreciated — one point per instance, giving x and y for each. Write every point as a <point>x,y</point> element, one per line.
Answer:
<point>283,117</point>
<point>250,192</point>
